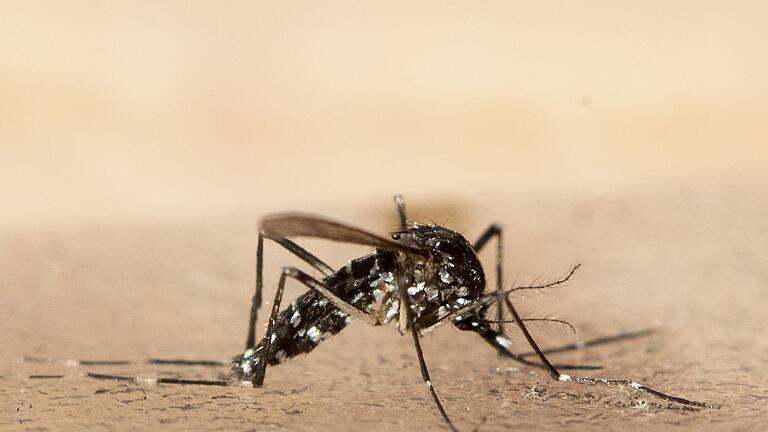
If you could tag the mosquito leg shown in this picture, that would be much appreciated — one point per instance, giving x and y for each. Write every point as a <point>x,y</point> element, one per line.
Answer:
<point>498,338</point>
<point>495,231</point>
<point>261,369</point>
<point>555,374</point>
<point>300,252</point>
<point>492,231</point>
<point>256,301</point>
<point>400,204</point>
<point>405,303</point>
<point>499,282</point>
<point>502,343</point>
<point>73,363</point>
<point>192,381</point>
<point>152,361</point>
<point>185,362</point>
<point>109,377</point>
<point>316,285</point>
<point>295,249</point>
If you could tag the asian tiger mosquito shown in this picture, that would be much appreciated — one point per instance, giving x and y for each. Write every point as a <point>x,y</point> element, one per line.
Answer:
<point>423,276</point>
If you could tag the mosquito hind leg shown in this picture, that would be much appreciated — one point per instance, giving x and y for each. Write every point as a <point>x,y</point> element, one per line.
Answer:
<point>261,368</point>
<point>136,380</point>
<point>149,361</point>
<point>295,249</point>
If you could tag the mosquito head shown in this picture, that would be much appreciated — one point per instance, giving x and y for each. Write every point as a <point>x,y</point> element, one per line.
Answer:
<point>450,276</point>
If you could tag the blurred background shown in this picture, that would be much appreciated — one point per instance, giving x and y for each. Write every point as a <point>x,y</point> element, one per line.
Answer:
<point>141,141</point>
<point>172,109</point>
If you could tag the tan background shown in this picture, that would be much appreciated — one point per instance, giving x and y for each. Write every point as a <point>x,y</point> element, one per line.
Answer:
<point>140,142</point>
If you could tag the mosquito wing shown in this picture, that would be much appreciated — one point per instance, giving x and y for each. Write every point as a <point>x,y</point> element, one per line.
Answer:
<point>304,225</point>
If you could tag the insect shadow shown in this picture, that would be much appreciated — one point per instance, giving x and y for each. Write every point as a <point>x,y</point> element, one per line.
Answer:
<point>423,276</point>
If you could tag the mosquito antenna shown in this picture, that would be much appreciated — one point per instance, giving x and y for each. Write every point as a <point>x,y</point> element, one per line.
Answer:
<point>552,284</point>
<point>526,320</point>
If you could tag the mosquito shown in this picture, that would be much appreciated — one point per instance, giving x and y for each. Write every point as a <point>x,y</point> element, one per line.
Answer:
<point>422,276</point>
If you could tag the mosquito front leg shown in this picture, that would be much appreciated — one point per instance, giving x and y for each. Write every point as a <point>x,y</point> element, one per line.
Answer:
<point>555,374</point>
<point>502,343</point>
<point>495,231</point>
<point>406,306</point>
<point>498,338</point>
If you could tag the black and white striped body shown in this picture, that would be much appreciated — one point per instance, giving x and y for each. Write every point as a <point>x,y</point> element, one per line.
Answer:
<point>447,279</point>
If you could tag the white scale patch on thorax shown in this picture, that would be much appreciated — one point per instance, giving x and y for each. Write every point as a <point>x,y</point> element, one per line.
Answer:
<point>295,318</point>
<point>385,295</point>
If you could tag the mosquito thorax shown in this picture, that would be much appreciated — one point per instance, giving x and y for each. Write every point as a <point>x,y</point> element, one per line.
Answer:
<point>450,276</point>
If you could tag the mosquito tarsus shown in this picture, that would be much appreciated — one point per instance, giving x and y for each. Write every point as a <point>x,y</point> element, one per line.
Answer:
<point>423,276</point>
